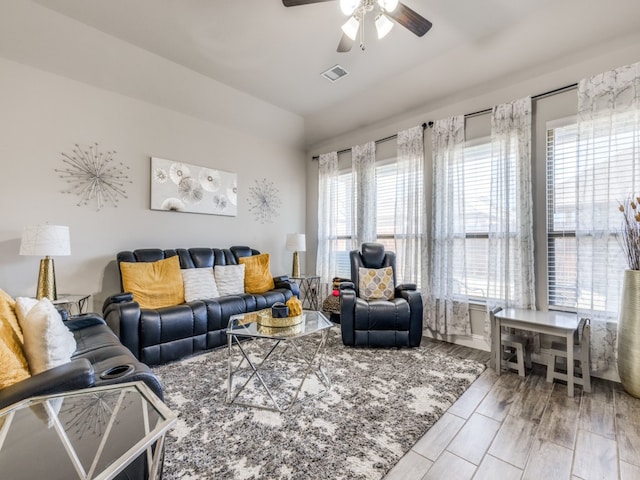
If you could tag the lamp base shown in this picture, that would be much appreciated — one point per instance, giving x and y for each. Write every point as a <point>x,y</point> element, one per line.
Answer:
<point>295,269</point>
<point>47,280</point>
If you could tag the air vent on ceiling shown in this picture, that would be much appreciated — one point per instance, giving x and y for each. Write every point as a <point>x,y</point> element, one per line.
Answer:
<point>335,73</point>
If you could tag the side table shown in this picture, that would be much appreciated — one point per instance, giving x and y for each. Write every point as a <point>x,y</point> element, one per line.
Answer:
<point>309,290</point>
<point>93,433</point>
<point>73,301</point>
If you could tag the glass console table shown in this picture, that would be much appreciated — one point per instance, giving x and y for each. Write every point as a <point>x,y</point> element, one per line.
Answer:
<point>75,303</point>
<point>309,290</point>
<point>85,434</point>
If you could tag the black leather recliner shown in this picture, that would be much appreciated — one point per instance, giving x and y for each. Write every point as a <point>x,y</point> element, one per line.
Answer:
<point>379,323</point>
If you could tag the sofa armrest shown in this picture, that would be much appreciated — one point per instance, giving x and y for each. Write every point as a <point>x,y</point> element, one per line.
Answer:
<point>347,285</point>
<point>117,298</point>
<point>84,320</point>
<point>348,300</point>
<point>414,298</point>
<point>76,374</point>
<point>283,282</point>
<point>123,318</point>
<point>405,287</point>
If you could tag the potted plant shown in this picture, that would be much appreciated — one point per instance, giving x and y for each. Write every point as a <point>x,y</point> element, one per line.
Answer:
<point>629,324</point>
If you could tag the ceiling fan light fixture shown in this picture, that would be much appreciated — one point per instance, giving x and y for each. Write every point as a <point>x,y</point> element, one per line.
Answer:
<point>351,27</point>
<point>348,6</point>
<point>388,5</point>
<point>383,25</point>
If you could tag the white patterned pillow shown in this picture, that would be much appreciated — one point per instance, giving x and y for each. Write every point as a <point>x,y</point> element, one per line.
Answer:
<point>199,283</point>
<point>376,283</point>
<point>229,279</point>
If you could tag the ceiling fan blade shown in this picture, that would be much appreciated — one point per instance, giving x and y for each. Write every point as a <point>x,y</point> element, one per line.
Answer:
<point>410,19</point>
<point>345,44</point>
<point>295,3</point>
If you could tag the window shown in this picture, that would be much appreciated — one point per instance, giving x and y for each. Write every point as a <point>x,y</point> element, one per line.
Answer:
<point>471,270</point>
<point>386,204</point>
<point>344,228</point>
<point>477,197</point>
<point>612,153</point>
<point>386,173</point>
<point>562,145</point>
<point>470,180</point>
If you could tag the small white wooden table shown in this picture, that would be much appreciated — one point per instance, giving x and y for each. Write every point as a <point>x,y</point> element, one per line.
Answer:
<point>561,324</point>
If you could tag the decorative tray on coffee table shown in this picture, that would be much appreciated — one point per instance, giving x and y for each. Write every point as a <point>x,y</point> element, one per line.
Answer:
<point>265,319</point>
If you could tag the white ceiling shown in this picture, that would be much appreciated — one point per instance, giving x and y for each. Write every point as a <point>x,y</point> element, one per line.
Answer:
<point>277,53</point>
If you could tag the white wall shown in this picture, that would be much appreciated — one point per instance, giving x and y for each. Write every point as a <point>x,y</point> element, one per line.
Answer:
<point>130,106</point>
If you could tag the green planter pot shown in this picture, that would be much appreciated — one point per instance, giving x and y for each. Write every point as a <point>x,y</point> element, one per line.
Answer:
<point>629,333</point>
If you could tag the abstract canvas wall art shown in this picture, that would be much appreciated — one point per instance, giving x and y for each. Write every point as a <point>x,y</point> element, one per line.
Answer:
<point>182,187</point>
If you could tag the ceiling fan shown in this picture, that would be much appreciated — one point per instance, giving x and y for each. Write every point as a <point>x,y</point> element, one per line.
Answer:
<point>384,10</point>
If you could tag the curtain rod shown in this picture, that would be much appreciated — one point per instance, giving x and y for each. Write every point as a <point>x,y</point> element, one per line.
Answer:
<point>469,115</point>
<point>385,139</point>
<point>535,97</point>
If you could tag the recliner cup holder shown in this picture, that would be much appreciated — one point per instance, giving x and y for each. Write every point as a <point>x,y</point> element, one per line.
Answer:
<point>117,372</point>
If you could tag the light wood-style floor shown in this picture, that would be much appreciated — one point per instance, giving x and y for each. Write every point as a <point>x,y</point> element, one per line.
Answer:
<point>508,427</point>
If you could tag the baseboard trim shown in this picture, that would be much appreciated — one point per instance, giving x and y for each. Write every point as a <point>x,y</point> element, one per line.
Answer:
<point>480,343</point>
<point>473,341</point>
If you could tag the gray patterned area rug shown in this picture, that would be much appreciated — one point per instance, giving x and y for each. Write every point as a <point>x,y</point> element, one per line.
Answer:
<point>381,403</point>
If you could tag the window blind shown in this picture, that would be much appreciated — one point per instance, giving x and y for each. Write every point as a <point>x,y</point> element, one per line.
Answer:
<point>477,197</point>
<point>561,182</point>
<point>606,150</point>
<point>385,215</point>
<point>344,228</point>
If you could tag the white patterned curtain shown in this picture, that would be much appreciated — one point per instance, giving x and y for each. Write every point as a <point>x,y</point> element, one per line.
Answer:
<point>364,193</point>
<point>608,173</point>
<point>410,212</point>
<point>446,303</point>
<point>328,211</point>
<point>511,279</point>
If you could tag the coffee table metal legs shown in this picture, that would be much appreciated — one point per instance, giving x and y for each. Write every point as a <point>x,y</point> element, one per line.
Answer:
<point>232,398</point>
<point>315,364</point>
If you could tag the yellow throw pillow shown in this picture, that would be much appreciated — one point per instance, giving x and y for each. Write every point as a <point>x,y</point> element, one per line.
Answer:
<point>376,283</point>
<point>257,274</point>
<point>12,359</point>
<point>295,307</point>
<point>154,284</point>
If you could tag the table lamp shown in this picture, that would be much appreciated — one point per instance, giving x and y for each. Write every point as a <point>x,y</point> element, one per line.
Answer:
<point>296,242</point>
<point>47,240</point>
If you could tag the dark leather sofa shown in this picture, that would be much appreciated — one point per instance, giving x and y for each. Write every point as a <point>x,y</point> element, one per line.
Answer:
<point>157,336</point>
<point>99,359</point>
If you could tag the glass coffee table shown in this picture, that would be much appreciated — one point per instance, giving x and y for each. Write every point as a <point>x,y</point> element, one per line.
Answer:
<point>278,362</point>
<point>85,434</point>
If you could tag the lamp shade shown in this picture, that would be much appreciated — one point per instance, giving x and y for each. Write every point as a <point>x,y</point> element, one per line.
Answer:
<point>383,25</point>
<point>296,242</point>
<point>351,27</point>
<point>45,240</point>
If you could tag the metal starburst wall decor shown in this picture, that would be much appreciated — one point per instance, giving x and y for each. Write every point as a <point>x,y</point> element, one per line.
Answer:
<point>264,201</point>
<point>94,176</point>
